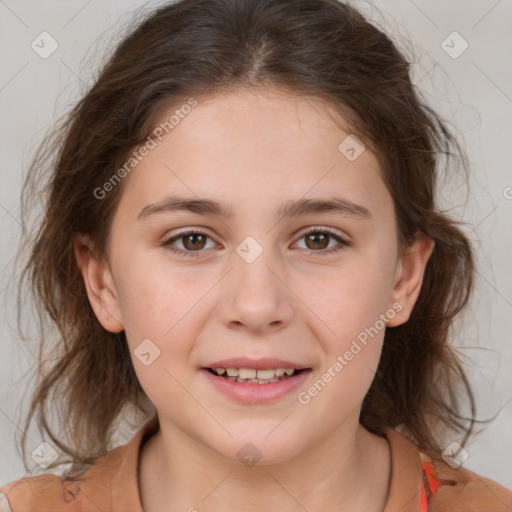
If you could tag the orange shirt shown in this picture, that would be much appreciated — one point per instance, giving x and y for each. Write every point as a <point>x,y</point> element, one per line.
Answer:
<point>418,484</point>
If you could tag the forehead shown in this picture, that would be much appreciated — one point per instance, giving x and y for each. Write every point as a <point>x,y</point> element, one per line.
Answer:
<point>254,146</point>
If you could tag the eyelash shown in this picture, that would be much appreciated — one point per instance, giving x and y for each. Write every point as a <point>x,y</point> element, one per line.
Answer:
<point>316,229</point>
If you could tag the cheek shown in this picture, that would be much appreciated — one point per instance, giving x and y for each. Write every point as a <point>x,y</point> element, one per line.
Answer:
<point>351,333</point>
<point>349,298</point>
<point>352,303</point>
<point>155,295</point>
<point>159,316</point>
<point>164,304</point>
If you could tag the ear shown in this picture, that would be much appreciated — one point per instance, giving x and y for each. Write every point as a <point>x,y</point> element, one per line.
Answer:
<point>409,277</point>
<point>99,284</point>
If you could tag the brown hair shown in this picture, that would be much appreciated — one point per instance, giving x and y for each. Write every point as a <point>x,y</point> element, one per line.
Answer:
<point>317,48</point>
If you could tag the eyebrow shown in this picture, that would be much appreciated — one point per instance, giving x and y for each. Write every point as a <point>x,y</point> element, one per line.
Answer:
<point>290,208</point>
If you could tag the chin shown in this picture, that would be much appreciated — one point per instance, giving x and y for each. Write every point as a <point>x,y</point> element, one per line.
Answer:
<point>254,449</point>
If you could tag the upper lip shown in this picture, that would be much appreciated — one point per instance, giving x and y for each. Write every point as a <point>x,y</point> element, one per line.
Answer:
<point>256,364</point>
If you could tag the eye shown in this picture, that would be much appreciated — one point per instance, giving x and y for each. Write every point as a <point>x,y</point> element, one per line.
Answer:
<point>317,239</point>
<point>192,240</point>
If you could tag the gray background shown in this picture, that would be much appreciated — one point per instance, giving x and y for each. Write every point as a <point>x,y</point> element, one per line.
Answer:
<point>473,91</point>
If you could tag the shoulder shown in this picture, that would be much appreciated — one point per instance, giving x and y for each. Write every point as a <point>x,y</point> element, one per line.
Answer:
<point>111,478</point>
<point>45,492</point>
<point>462,490</point>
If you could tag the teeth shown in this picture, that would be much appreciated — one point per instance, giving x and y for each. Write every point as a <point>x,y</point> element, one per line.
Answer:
<point>246,373</point>
<point>252,376</point>
<point>266,374</point>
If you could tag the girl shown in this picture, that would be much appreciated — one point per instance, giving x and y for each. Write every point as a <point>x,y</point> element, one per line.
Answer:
<point>241,244</point>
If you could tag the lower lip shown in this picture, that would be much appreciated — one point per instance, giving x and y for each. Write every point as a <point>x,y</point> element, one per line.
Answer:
<point>256,393</point>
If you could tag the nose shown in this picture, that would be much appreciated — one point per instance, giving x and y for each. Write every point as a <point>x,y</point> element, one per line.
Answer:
<point>256,297</point>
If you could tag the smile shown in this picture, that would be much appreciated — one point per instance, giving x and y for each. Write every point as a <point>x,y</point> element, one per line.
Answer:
<point>252,376</point>
<point>275,384</point>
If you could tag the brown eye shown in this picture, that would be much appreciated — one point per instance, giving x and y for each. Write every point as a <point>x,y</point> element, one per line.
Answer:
<point>317,241</point>
<point>194,241</point>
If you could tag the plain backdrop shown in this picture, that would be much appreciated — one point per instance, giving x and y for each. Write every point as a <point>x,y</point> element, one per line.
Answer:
<point>471,87</point>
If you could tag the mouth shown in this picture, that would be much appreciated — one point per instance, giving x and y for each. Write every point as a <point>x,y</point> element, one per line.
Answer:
<point>256,381</point>
<point>267,383</point>
<point>253,376</point>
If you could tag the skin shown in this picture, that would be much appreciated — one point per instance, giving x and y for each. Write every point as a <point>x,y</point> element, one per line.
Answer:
<point>253,150</point>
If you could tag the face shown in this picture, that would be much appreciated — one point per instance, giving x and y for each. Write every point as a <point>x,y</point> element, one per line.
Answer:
<point>293,264</point>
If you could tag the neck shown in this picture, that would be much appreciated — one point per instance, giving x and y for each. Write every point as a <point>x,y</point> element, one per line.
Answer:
<point>348,471</point>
